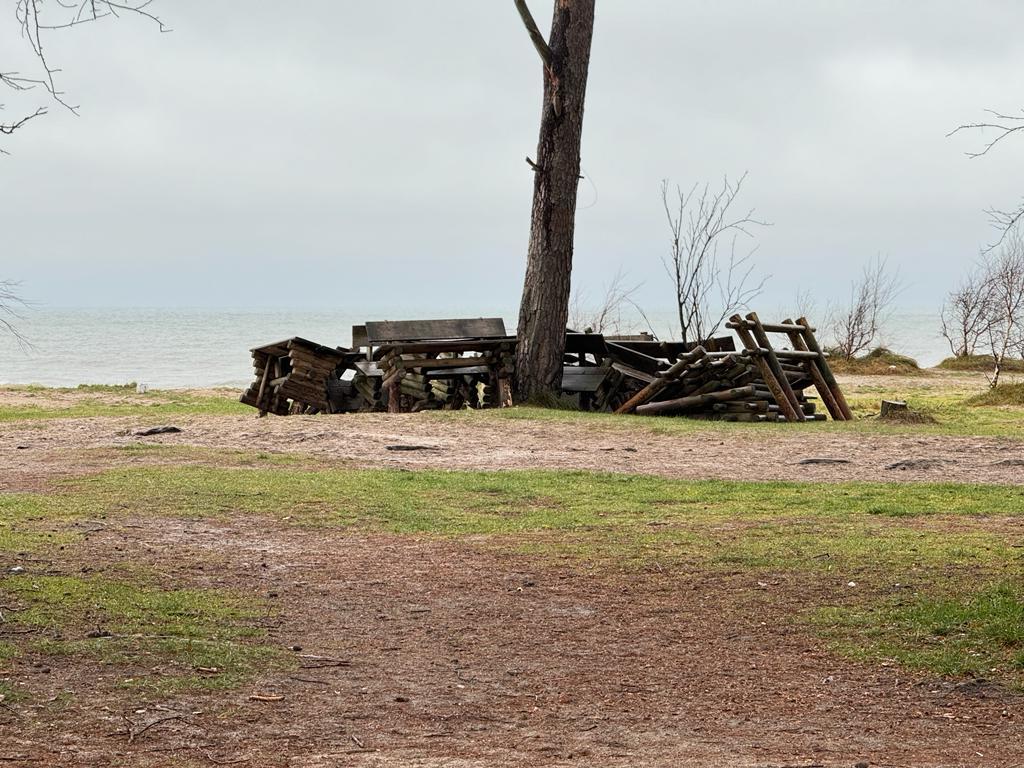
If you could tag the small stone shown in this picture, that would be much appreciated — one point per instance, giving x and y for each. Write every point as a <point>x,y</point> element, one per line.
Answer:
<point>401,699</point>
<point>295,648</point>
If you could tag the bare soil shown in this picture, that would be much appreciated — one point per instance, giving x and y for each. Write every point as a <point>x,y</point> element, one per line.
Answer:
<point>34,450</point>
<point>419,652</point>
<point>427,652</point>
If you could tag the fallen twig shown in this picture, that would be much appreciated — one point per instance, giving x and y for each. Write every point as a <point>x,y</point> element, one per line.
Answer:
<point>133,734</point>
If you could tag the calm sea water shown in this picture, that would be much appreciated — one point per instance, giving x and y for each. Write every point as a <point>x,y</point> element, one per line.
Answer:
<point>205,348</point>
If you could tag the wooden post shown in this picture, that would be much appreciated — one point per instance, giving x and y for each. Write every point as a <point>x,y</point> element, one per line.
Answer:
<point>762,339</point>
<point>765,369</point>
<point>796,339</point>
<point>826,371</point>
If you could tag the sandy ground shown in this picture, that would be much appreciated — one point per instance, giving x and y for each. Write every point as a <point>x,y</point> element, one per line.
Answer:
<point>31,451</point>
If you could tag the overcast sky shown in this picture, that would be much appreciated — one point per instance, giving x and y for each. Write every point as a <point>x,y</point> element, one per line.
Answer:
<point>341,153</point>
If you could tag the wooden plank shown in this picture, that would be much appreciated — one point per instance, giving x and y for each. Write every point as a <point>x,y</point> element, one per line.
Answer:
<point>503,343</point>
<point>585,344</point>
<point>368,368</point>
<point>633,359</point>
<point>384,331</point>
<point>359,337</point>
<point>583,379</point>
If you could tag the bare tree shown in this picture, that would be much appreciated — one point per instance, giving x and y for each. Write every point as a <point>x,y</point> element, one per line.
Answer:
<point>712,280</point>
<point>967,313</point>
<point>1003,125</point>
<point>606,317</point>
<point>856,326</point>
<point>1005,275</point>
<point>544,308</point>
<point>36,21</point>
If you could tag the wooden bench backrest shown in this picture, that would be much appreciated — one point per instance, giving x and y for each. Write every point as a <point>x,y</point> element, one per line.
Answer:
<point>391,331</point>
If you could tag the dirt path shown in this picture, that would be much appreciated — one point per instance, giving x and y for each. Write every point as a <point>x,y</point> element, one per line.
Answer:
<point>458,655</point>
<point>31,451</point>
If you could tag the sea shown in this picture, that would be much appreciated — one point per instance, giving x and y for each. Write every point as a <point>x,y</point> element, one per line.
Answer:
<point>198,348</point>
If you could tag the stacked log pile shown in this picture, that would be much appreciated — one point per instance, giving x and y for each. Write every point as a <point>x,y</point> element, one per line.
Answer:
<point>756,383</point>
<point>410,366</point>
<point>298,376</point>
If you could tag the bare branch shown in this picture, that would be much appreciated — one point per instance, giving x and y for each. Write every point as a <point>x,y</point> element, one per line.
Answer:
<point>8,128</point>
<point>709,285</point>
<point>36,19</point>
<point>543,49</point>
<point>11,303</point>
<point>1009,124</point>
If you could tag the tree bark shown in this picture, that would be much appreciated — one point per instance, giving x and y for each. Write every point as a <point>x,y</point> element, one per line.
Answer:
<point>544,309</point>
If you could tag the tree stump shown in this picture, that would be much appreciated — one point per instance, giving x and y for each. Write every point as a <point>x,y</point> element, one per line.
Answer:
<point>894,408</point>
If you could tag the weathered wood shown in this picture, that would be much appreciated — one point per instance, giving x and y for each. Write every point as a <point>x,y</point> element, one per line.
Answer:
<point>773,361</point>
<point>812,344</point>
<point>765,370</point>
<point>583,379</point>
<point>695,401</point>
<point>388,331</point>
<point>663,380</point>
<point>796,338</point>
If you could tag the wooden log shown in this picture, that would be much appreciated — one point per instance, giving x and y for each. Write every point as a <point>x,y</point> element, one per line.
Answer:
<point>765,369</point>
<point>826,372</point>
<point>773,361</point>
<point>695,401</point>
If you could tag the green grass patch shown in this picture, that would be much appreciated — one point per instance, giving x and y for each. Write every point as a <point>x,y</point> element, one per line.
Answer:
<point>28,523</point>
<point>777,524</point>
<point>170,639</point>
<point>7,650</point>
<point>947,536</point>
<point>1004,394</point>
<point>979,363</point>
<point>158,404</point>
<point>977,632</point>
<point>10,695</point>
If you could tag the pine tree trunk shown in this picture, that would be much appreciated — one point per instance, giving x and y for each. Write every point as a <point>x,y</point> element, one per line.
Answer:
<point>544,309</point>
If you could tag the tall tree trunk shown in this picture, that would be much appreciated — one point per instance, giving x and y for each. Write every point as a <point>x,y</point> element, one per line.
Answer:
<point>544,309</point>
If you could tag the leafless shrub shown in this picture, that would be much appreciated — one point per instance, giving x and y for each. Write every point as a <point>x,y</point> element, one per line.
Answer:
<point>967,313</point>
<point>712,280</point>
<point>606,317</point>
<point>1004,336</point>
<point>856,326</point>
